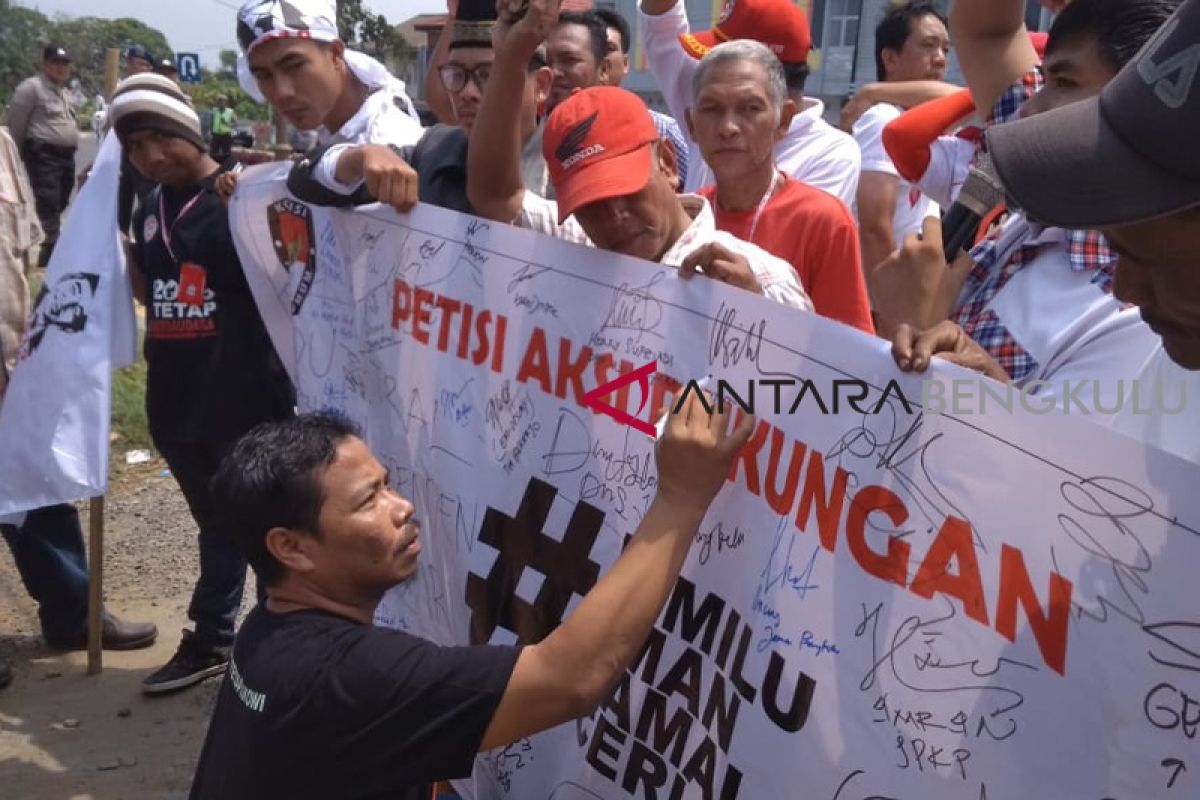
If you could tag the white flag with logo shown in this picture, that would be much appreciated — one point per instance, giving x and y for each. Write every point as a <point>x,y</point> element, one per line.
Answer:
<point>54,421</point>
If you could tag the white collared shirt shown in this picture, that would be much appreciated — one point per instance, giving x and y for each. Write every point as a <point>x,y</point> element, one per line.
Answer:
<point>381,119</point>
<point>776,277</point>
<point>812,151</point>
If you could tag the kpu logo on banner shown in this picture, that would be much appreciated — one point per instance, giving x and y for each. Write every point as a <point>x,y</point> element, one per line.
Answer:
<point>63,307</point>
<point>292,234</point>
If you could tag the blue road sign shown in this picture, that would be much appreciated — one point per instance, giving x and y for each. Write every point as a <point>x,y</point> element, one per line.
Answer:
<point>188,65</point>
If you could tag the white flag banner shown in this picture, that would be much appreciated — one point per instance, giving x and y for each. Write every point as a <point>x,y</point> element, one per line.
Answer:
<point>54,422</point>
<point>882,603</point>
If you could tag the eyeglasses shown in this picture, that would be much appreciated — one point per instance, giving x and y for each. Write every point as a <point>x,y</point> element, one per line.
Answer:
<point>454,76</point>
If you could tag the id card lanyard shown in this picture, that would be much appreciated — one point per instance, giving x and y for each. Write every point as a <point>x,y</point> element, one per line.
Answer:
<point>776,180</point>
<point>166,229</point>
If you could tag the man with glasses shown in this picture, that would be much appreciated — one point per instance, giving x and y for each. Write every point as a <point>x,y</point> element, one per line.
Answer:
<point>435,167</point>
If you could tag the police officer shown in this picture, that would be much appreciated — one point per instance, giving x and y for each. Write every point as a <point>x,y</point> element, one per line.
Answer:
<point>42,122</point>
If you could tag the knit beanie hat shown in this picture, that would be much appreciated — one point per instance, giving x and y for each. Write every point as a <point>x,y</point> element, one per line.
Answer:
<point>149,100</point>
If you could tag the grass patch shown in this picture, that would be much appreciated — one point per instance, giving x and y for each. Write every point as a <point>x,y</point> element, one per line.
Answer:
<point>129,409</point>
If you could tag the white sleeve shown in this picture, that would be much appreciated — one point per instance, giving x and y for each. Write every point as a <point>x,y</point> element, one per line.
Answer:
<point>671,66</point>
<point>541,215</point>
<point>391,127</point>
<point>949,161</point>
<point>868,132</point>
<point>837,172</point>
<point>778,280</point>
<point>325,170</point>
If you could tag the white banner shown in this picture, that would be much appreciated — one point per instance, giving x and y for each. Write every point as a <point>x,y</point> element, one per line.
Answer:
<point>882,603</point>
<point>54,421</point>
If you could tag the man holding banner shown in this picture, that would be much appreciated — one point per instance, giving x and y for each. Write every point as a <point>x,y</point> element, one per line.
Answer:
<point>319,703</point>
<point>613,175</point>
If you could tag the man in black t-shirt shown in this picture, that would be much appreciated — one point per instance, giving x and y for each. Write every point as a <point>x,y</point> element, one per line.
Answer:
<point>318,703</point>
<point>212,373</point>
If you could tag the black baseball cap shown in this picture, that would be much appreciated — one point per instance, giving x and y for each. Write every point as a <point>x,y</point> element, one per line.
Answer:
<point>137,51</point>
<point>1126,156</point>
<point>54,52</point>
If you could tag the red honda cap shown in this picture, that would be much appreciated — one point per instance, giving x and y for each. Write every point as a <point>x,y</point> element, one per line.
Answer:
<point>779,24</point>
<point>597,145</point>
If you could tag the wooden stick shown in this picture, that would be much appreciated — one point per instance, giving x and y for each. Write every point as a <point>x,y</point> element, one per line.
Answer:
<point>95,659</point>
<point>112,69</point>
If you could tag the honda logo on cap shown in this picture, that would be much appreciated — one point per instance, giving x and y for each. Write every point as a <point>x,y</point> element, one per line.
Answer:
<point>570,150</point>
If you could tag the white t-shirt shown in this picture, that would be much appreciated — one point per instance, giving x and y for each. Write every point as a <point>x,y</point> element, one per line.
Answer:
<point>381,119</point>
<point>912,207</point>
<point>1121,364</point>
<point>778,280</point>
<point>812,151</point>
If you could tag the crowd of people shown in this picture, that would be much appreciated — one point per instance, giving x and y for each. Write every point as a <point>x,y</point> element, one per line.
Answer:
<point>1078,267</point>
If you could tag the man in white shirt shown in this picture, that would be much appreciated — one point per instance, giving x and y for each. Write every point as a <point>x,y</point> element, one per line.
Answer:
<point>293,58</point>
<point>1038,308</point>
<point>1126,162</point>
<point>812,151</point>
<point>911,44</point>
<point>613,175</point>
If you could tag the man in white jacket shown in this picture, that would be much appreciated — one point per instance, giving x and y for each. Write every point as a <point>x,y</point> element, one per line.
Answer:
<point>812,151</point>
<point>292,57</point>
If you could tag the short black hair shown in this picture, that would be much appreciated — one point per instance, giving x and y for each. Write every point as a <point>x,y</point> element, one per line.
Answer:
<point>613,19</point>
<point>795,74</point>
<point>272,479</point>
<point>893,30</point>
<point>597,30</point>
<point>1119,27</point>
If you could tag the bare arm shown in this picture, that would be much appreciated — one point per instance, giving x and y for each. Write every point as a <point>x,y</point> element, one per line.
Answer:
<point>435,94</point>
<point>495,187</point>
<point>572,670</point>
<point>876,207</point>
<point>905,94</point>
<point>993,46</point>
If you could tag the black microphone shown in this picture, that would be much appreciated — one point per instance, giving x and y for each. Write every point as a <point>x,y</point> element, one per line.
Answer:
<point>981,192</point>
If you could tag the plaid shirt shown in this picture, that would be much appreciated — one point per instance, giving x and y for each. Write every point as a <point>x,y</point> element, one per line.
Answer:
<point>1012,246</point>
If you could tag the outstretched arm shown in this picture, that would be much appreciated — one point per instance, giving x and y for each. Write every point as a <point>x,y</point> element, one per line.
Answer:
<point>573,669</point>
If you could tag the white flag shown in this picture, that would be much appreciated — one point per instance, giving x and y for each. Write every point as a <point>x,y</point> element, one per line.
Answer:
<point>54,422</point>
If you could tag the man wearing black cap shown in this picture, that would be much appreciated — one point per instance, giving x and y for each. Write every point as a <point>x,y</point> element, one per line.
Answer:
<point>41,121</point>
<point>138,60</point>
<point>1126,162</point>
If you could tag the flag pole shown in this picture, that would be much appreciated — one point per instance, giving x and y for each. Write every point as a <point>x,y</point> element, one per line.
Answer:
<point>95,642</point>
<point>95,652</point>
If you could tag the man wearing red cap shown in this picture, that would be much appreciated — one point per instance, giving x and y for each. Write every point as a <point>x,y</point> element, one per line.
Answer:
<point>613,175</point>
<point>812,151</point>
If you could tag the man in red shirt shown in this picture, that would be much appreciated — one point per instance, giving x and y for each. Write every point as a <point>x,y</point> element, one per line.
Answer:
<point>740,109</point>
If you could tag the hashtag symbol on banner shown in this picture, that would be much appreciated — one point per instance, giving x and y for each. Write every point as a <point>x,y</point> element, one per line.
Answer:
<point>566,567</point>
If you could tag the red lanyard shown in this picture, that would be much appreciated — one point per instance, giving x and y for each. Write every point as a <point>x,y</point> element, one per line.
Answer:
<point>162,218</point>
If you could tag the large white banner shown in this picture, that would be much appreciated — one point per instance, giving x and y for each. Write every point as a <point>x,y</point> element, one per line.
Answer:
<point>882,603</point>
<point>54,421</point>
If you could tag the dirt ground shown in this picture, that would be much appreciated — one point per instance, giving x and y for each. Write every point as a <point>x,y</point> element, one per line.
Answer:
<point>65,735</point>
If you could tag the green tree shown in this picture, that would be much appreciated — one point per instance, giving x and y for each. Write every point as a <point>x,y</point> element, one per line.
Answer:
<point>367,32</point>
<point>88,39</point>
<point>228,62</point>
<point>23,34</point>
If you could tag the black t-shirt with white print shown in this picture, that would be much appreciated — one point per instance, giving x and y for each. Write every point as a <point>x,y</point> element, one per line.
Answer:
<point>319,706</point>
<point>212,373</point>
